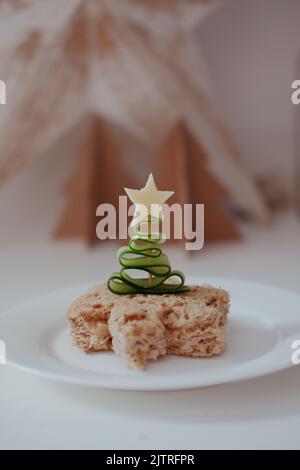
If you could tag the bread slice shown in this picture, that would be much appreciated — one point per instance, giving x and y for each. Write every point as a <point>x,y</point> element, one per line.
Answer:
<point>88,316</point>
<point>142,327</point>
<point>138,333</point>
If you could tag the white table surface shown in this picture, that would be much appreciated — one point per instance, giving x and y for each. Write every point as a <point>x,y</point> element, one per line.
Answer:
<point>261,413</point>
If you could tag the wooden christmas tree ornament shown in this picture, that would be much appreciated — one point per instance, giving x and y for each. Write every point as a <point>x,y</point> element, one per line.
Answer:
<point>181,163</point>
<point>99,178</point>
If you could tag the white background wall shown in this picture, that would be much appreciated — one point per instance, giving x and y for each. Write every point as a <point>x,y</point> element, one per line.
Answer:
<point>251,48</point>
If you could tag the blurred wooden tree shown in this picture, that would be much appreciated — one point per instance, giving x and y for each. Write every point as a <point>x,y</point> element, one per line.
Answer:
<point>99,177</point>
<point>134,62</point>
<point>182,164</point>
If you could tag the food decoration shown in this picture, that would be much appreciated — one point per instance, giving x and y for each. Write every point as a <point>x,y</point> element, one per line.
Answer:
<point>144,253</point>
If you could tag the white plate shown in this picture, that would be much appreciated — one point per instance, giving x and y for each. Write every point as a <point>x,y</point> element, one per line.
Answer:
<point>263,323</point>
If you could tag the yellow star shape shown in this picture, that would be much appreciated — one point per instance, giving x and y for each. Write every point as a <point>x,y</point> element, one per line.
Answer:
<point>148,201</point>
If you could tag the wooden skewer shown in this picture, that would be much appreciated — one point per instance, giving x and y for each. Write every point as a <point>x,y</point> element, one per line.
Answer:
<point>150,279</point>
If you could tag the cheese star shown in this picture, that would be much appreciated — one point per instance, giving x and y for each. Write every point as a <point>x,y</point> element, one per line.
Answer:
<point>148,201</point>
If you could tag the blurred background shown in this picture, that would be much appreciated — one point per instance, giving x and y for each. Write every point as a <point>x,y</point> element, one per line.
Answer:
<point>100,93</point>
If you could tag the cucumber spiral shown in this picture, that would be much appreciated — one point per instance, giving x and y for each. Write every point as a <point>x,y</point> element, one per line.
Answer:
<point>143,253</point>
